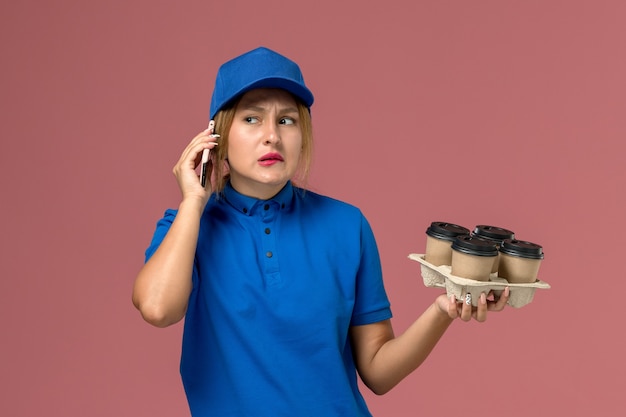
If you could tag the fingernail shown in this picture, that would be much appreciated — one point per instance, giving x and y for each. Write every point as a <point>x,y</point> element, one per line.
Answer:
<point>214,135</point>
<point>507,291</point>
<point>483,298</point>
<point>468,299</point>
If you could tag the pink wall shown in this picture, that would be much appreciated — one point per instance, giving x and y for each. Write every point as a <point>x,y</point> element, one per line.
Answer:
<point>501,112</point>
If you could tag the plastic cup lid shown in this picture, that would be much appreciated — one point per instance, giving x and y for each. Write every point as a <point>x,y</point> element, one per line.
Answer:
<point>493,232</point>
<point>474,245</point>
<point>522,249</point>
<point>446,231</point>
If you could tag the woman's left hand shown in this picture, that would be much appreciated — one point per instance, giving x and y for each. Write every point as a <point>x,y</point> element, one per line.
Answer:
<point>461,308</point>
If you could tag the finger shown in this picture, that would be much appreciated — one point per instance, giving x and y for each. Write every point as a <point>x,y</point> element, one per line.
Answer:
<point>502,301</point>
<point>194,151</point>
<point>453,311</point>
<point>194,145</point>
<point>207,146</point>
<point>466,310</point>
<point>190,159</point>
<point>191,156</point>
<point>481,309</point>
<point>204,136</point>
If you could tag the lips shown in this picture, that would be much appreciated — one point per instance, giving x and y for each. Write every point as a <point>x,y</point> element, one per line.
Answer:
<point>271,157</point>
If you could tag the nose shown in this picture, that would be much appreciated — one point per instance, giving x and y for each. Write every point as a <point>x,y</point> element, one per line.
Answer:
<point>271,134</point>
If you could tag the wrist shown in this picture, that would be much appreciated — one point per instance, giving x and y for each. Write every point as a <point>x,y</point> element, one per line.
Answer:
<point>191,204</point>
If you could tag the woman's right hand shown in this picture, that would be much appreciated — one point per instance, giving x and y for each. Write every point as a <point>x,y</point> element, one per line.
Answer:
<point>185,168</point>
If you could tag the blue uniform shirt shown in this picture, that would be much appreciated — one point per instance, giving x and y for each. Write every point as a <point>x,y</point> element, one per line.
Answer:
<point>276,285</point>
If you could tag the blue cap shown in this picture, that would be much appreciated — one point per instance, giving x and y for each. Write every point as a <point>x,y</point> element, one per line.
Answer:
<point>259,68</point>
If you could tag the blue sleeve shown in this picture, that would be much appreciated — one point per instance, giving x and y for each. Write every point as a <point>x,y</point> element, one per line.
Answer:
<point>162,227</point>
<point>371,302</point>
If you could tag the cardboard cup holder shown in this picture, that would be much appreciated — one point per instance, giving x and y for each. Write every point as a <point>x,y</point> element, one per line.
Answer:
<point>440,276</point>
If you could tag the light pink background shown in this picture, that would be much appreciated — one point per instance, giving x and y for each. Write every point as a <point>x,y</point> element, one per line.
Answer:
<point>501,112</point>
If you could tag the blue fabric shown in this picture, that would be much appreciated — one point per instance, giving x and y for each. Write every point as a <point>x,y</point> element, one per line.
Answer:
<point>276,286</point>
<point>258,68</point>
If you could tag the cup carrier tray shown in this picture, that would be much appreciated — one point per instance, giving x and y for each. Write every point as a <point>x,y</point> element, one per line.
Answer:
<point>440,276</point>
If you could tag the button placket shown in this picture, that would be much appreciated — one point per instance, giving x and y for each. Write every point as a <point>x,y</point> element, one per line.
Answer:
<point>268,238</point>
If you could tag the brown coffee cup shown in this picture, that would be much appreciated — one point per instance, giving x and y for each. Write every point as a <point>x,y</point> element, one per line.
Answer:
<point>494,234</point>
<point>472,257</point>
<point>439,238</point>
<point>520,261</point>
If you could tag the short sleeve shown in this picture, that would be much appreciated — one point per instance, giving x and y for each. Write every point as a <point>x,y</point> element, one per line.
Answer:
<point>162,227</point>
<point>371,301</point>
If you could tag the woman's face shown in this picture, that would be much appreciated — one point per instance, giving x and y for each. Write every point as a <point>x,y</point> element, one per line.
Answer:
<point>264,142</point>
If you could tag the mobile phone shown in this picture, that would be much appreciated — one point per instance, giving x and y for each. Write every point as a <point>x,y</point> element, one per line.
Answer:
<point>203,169</point>
<point>205,159</point>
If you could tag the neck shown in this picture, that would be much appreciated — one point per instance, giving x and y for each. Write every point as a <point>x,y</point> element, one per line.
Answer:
<point>259,191</point>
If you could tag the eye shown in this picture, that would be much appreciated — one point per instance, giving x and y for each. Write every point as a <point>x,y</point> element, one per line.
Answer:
<point>286,121</point>
<point>252,120</point>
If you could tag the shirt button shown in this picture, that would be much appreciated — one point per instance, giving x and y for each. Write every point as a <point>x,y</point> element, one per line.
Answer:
<point>269,254</point>
<point>267,231</point>
<point>245,210</point>
<point>266,207</point>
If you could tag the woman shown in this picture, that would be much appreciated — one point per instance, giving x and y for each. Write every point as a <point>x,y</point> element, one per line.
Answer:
<point>281,288</point>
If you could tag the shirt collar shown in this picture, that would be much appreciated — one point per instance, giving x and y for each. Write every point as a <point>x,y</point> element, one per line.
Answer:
<point>246,205</point>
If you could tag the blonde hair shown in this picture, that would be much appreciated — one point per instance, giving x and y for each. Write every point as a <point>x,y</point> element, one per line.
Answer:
<point>223,122</point>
